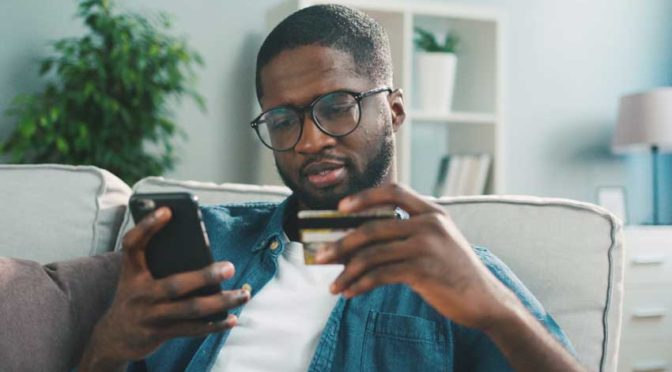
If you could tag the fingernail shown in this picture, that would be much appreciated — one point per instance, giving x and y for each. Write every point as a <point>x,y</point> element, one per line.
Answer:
<point>346,202</point>
<point>333,288</point>
<point>231,319</point>
<point>227,322</point>
<point>160,213</point>
<point>224,269</point>
<point>243,295</point>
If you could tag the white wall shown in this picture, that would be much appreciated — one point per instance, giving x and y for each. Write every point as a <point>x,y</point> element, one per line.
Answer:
<point>568,62</point>
<point>222,146</point>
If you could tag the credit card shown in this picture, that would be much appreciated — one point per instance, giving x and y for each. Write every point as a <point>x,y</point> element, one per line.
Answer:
<point>317,227</point>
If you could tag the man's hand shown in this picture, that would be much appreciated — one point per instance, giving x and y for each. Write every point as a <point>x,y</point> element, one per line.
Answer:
<point>146,312</point>
<point>427,252</point>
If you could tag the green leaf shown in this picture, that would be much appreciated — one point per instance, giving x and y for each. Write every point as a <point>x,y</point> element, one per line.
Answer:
<point>62,145</point>
<point>45,66</point>
<point>54,113</point>
<point>83,131</point>
<point>425,40</point>
<point>27,128</point>
<point>89,89</point>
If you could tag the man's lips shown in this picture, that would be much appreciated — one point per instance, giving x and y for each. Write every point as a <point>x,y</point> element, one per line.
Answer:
<point>325,173</point>
<point>321,166</point>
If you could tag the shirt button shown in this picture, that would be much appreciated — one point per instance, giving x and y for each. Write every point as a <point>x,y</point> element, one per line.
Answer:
<point>274,245</point>
<point>247,287</point>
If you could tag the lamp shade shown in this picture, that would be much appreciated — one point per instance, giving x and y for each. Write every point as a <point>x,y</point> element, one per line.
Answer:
<point>644,121</point>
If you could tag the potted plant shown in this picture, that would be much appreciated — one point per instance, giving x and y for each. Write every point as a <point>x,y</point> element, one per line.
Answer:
<point>435,71</point>
<point>108,103</point>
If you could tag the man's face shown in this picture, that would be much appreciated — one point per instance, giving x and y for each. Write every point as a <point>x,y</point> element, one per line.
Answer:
<point>321,169</point>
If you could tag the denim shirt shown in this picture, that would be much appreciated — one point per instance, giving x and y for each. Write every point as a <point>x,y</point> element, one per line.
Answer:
<point>390,328</point>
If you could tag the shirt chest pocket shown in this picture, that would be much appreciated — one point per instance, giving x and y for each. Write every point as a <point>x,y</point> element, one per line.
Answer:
<point>395,342</point>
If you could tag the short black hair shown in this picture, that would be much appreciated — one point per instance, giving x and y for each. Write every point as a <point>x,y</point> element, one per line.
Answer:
<point>334,26</point>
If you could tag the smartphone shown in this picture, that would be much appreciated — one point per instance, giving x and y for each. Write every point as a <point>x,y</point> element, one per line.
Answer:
<point>182,244</point>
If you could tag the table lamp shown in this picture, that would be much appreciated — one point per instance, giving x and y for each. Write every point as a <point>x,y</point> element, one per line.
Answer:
<point>645,123</point>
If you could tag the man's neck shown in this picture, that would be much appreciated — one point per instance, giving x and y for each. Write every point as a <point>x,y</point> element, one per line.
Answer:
<point>290,219</point>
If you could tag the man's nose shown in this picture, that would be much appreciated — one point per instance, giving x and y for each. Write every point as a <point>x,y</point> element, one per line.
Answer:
<point>313,140</point>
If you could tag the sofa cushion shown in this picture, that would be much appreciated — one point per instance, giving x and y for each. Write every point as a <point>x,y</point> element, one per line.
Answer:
<point>48,312</point>
<point>57,212</point>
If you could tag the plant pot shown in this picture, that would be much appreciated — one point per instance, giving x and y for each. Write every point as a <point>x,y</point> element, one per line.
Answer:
<point>435,77</point>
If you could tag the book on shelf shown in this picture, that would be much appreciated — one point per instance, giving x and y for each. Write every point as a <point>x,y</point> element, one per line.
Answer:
<point>454,174</point>
<point>442,176</point>
<point>462,175</point>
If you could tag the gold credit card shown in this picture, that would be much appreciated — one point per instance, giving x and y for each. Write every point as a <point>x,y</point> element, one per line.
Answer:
<point>317,227</point>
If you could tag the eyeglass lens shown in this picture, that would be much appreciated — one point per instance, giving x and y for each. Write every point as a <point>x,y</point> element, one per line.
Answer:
<point>337,114</point>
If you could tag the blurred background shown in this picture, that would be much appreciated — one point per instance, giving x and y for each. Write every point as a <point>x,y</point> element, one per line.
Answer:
<point>557,71</point>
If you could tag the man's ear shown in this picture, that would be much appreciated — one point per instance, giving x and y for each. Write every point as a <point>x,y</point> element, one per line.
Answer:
<point>396,100</point>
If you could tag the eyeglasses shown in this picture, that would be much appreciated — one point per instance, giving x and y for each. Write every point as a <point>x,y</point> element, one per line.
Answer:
<point>336,114</point>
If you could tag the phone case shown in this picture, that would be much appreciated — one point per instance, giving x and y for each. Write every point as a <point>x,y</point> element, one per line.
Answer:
<point>182,245</point>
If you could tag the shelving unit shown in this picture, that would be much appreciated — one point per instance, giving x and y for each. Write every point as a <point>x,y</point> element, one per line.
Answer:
<point>474,126</point>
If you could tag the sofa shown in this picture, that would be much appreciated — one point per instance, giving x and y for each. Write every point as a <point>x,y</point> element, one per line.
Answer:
<point>61,225</point>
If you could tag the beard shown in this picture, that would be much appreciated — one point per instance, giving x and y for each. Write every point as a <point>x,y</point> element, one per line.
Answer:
<point>375,171</point>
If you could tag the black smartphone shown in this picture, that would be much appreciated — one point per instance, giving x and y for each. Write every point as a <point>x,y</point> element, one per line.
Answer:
<point>182,244</point>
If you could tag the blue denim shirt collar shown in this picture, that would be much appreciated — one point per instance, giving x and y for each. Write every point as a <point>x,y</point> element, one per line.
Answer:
<point>274,230</point>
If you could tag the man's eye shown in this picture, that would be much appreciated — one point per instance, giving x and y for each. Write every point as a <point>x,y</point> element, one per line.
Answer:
<point>339,109</point>
<point>281,124</point>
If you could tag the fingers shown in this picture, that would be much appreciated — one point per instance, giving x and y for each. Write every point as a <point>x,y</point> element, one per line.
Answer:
<point>135,241</point>
<point>178,285</point>
<point>370,232</point>
<point>382,275</point>
<point>171,291</point>
<point>195,328</point>
<point>390,194</point>
<point>198,307</point>
<point>367,259</point>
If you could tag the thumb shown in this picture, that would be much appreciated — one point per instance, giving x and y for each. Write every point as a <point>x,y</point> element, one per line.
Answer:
<point>136,240</point>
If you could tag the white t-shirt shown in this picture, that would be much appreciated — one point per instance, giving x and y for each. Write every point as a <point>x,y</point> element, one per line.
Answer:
<point>279,329</point>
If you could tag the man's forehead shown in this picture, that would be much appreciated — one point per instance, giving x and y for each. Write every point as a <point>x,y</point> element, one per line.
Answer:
<point>298,75</point>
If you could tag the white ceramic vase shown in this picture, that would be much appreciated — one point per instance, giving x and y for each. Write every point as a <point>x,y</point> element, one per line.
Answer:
<point>435,81</point>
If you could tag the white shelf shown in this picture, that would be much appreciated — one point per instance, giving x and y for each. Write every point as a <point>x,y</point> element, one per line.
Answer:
<point>454,117</point>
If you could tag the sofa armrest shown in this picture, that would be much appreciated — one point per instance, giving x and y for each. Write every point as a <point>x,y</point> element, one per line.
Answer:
<point>47,312</point>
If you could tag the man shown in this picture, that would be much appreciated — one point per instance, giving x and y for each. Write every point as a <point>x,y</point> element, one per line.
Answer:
<point>414,295</point>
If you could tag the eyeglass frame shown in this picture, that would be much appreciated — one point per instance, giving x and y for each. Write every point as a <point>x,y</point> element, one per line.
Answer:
<point>301,111</point>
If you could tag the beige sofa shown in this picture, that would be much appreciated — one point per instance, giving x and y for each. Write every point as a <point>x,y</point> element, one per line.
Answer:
<point>568,253</point>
